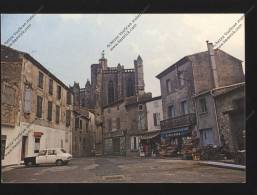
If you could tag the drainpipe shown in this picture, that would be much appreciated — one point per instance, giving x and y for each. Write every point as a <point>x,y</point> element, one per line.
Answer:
<point>216,117</point>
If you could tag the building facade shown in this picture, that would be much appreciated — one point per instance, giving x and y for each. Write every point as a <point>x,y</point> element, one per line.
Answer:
<point>36,108</point>
<point>185,89</point>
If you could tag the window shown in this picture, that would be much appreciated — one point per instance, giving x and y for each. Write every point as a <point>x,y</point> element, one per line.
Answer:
<point>49,115</point>
<point>135,143</point>
<point>171,111</point>
<point>76,122</point>
<point>57,116</point>
<point>184,108</point>
<point>156,119</point>
<point>141,120</point>
<point>140,107</point>
<point>42,153</point>
<point>68,118</point>
<point>51,152</point>
<point>168,85</point>
<point>3,145</point>
<point>129,88</point>
<point>37,145</point>
<point>40,79</point>
<point>39,106</point>
<point>203,107</point>
<point>59,92</point>
<point>181,78</point>
<point>118,123</point>
<point>110,92</point>
<point>28,100</point>
<point>109,124</point>
<point>80,124</point>
<point>87,126</point>
<point>68,98</point>
<point>50,87</point>
<point>206,137</point>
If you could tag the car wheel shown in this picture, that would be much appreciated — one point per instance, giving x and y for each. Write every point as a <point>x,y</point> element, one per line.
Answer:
<point>59,162</point>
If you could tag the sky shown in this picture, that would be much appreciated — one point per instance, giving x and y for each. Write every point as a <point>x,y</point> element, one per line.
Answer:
<point>67,44</point>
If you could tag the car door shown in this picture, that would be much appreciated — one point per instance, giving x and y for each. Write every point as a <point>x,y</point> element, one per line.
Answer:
<point>51,156</point>
<point>41,158</point>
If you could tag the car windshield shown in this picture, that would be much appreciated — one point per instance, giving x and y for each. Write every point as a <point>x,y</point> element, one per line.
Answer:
<point>62,150</point>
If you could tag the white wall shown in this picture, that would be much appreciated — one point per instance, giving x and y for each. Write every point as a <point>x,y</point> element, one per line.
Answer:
<point>152,107</point>
<point>51,138</point>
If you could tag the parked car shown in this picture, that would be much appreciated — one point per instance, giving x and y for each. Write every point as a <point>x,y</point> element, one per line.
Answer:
<point>56,156</point>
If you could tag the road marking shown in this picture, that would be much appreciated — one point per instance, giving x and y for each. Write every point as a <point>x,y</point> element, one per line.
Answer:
<point>113,177</point>
<point>89,167</point>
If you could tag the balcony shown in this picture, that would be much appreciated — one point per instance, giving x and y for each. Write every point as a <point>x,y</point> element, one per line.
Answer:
<point>180,121</point>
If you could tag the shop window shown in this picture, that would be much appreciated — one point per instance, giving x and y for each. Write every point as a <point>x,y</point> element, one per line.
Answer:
<point>49,115</point>
<point>50,87</point>
<point>203,106</point>
<point>39,106</point>
<point>40,79</point>
<point>37,144</point>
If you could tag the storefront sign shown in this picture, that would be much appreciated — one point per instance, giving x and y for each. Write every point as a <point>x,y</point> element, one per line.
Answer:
<point>175,132</point>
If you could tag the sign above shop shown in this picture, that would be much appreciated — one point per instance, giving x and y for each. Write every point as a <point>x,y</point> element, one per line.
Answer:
<point>178,132</point>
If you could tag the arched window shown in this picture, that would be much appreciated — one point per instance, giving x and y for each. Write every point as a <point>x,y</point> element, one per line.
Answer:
<point>129,87</point>
<point>110,92</point>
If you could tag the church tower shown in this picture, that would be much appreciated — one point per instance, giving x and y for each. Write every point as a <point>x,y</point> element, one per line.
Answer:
<point>139,76</point>
<point>103,61</point>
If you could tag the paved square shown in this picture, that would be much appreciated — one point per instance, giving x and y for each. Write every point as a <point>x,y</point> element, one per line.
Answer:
<point>124,170</point>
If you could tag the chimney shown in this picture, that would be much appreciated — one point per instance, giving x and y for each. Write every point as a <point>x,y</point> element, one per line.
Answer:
<point>213,63</point>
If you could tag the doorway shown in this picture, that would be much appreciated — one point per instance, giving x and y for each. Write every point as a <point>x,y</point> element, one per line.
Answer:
<point>116,146</point>
<point>24,147</point>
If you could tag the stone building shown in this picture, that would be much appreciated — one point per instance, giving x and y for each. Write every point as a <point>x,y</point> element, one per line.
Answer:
<point>186,109</point>
<point>36,107</point>
<point>109,87</point>
<point>83,133</point>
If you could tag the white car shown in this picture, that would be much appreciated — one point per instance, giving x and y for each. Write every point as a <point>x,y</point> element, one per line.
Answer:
<point>56,156</point>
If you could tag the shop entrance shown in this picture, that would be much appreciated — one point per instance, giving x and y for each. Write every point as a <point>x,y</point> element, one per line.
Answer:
<point>116,145</point>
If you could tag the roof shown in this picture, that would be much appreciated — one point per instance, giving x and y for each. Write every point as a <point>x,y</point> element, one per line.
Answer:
<point>35,62</point>
<point>154,98</point>
<point>188,58</point>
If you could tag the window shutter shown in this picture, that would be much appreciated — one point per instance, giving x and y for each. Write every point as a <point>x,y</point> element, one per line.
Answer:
<point>28,100</point>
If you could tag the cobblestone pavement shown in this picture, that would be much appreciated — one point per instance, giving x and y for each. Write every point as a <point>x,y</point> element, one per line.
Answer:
<point>124,170</point>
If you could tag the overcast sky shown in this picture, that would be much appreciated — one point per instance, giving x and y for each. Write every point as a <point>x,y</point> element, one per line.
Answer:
<point>68,44</point>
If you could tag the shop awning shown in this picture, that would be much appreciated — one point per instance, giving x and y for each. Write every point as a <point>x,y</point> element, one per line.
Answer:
<point>175,132</point>
<point>149,136</point>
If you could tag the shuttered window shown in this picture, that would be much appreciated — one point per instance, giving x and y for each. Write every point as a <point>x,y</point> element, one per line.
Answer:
<point>40,80</point>
<point>57,112</point>
<point>49,115</point>
<point>39,106</point>
<point>59,92</point>
<point>68,118</point>
<point>68,98</point>
<point>27,100</point>
<point>50,87</point>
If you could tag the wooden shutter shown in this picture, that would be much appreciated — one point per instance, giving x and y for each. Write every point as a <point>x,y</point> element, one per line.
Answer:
<point>28,100</point>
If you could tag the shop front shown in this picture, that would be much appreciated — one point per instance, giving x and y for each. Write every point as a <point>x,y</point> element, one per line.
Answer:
<point>149,144</point>
<point>175,141</point>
